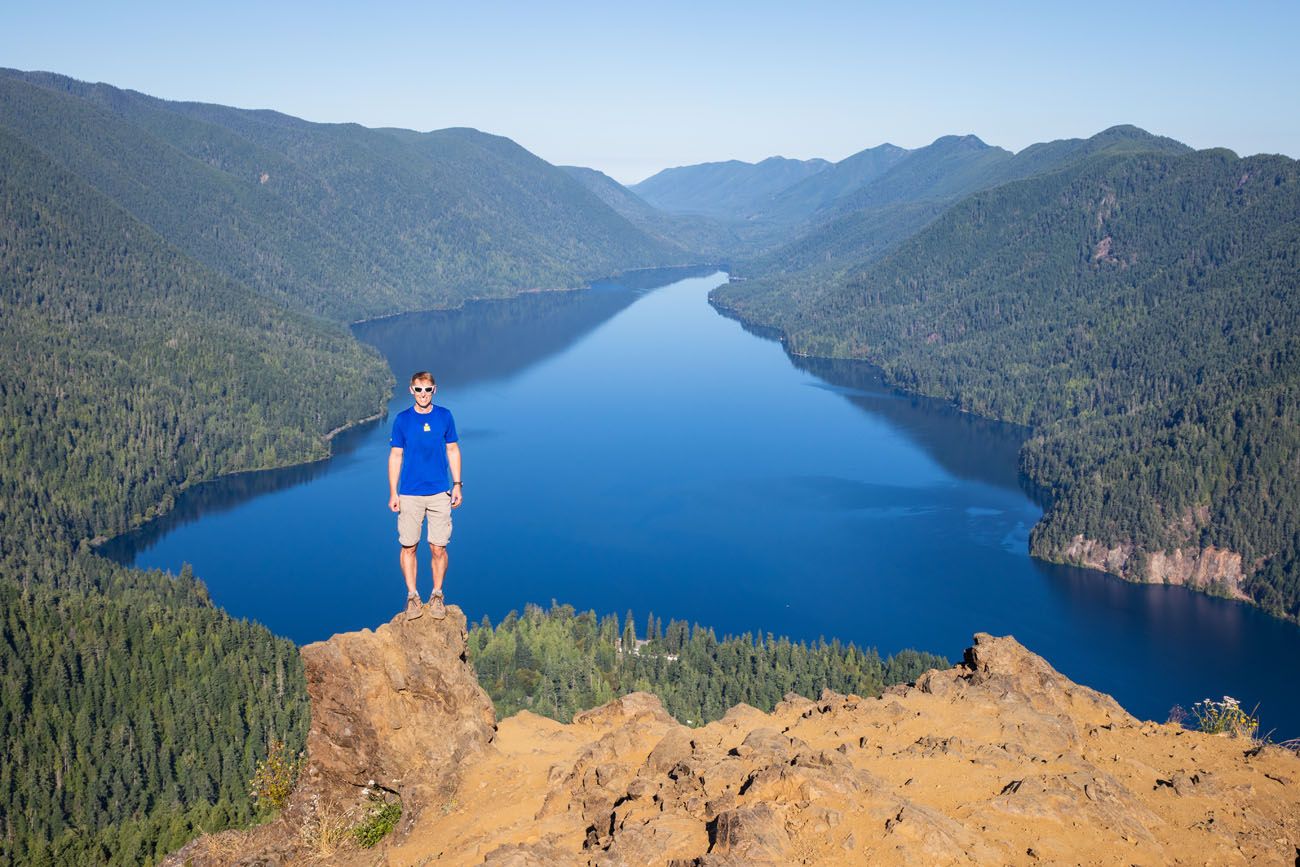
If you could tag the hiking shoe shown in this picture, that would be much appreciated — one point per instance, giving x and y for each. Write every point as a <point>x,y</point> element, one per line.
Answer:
<point>435,605</point>
<point>413,607</point>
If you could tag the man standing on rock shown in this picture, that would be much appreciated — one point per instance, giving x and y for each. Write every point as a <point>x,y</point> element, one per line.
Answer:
<point>424,481</point>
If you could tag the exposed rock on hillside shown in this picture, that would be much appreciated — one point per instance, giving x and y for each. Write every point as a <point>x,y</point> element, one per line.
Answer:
<point>999,760</point>
<point>1199,568</point>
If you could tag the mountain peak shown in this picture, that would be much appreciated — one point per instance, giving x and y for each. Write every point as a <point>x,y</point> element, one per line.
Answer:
<point>1122,134</point>
<point>960,142</point>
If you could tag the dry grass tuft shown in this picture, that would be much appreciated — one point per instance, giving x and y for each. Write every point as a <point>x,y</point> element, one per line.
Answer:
<point>326,830</point>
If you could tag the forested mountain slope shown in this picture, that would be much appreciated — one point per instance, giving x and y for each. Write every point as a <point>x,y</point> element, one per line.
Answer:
<point>129,372</point>
<point>948,166</point>
<point>332,218</point>
<point>1139,309</point>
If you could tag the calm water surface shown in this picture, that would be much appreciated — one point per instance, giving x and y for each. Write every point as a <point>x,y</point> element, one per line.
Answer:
<point>626,447</point>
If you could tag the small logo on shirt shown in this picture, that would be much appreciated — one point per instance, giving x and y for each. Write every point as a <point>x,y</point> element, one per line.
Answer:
<point>426,426</point>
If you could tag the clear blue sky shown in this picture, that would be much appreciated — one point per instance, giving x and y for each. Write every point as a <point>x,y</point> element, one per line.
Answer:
<point>633,88</point>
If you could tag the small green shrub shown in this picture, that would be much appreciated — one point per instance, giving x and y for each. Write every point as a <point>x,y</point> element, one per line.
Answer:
<point>1219,717</point>
<point>275,777</point>
<point>381,817</point>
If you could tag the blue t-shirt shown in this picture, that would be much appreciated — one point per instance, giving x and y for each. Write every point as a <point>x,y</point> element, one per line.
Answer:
<point>423,438</point>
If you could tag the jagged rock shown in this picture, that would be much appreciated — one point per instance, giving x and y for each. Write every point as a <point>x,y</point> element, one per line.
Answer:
<point>748,835</point>
<point>630,707</point>
<point>525,855</point>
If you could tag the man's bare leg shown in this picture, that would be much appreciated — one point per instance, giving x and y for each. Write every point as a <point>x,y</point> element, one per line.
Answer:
<point>439,564</point>
<point>408,568</point>
<point>407,561</point>
<point>439,556</point>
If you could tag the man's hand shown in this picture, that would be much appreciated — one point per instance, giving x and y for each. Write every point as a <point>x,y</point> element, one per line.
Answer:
<point>456,496</point>
<point>395,502</point>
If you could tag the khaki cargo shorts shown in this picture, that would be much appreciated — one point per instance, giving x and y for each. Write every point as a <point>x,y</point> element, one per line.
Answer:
<point>437,507</point>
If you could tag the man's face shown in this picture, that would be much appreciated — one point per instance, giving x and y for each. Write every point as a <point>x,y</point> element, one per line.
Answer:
<point>423,393</point>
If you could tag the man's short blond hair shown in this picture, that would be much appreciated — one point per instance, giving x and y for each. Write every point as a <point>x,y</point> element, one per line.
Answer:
<point>422,376</point>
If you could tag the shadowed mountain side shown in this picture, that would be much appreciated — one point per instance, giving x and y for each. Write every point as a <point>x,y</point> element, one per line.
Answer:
<point>998,760</point>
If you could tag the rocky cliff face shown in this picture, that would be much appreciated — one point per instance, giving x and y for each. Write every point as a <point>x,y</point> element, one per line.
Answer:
<point>1199,568</point>
<point>1000,760</point>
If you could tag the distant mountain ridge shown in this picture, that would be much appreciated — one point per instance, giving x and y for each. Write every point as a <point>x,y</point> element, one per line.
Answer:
<point>816,192</point>
<point>873,179</point>
<point>863,225</point>
<point>704,238</point>
<point>728,190</point>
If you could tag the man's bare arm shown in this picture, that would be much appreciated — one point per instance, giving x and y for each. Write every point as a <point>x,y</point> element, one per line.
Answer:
<point>453,463</point>
<point>394,473</point>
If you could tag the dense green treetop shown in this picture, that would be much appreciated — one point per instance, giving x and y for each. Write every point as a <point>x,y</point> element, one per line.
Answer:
<point>138,703</point>
<point>557,662</point>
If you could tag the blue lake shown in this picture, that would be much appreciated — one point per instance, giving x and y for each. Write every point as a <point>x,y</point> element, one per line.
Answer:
<point>627,447</point>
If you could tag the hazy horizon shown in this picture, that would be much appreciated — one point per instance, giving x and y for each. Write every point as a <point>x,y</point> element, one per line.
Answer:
<point>631,94</point>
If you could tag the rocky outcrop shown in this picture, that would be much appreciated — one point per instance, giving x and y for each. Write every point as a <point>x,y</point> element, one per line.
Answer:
<point>398,709</point>
<point>999,760</point>
<point>394,712</point>
<point>1208,568</point>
